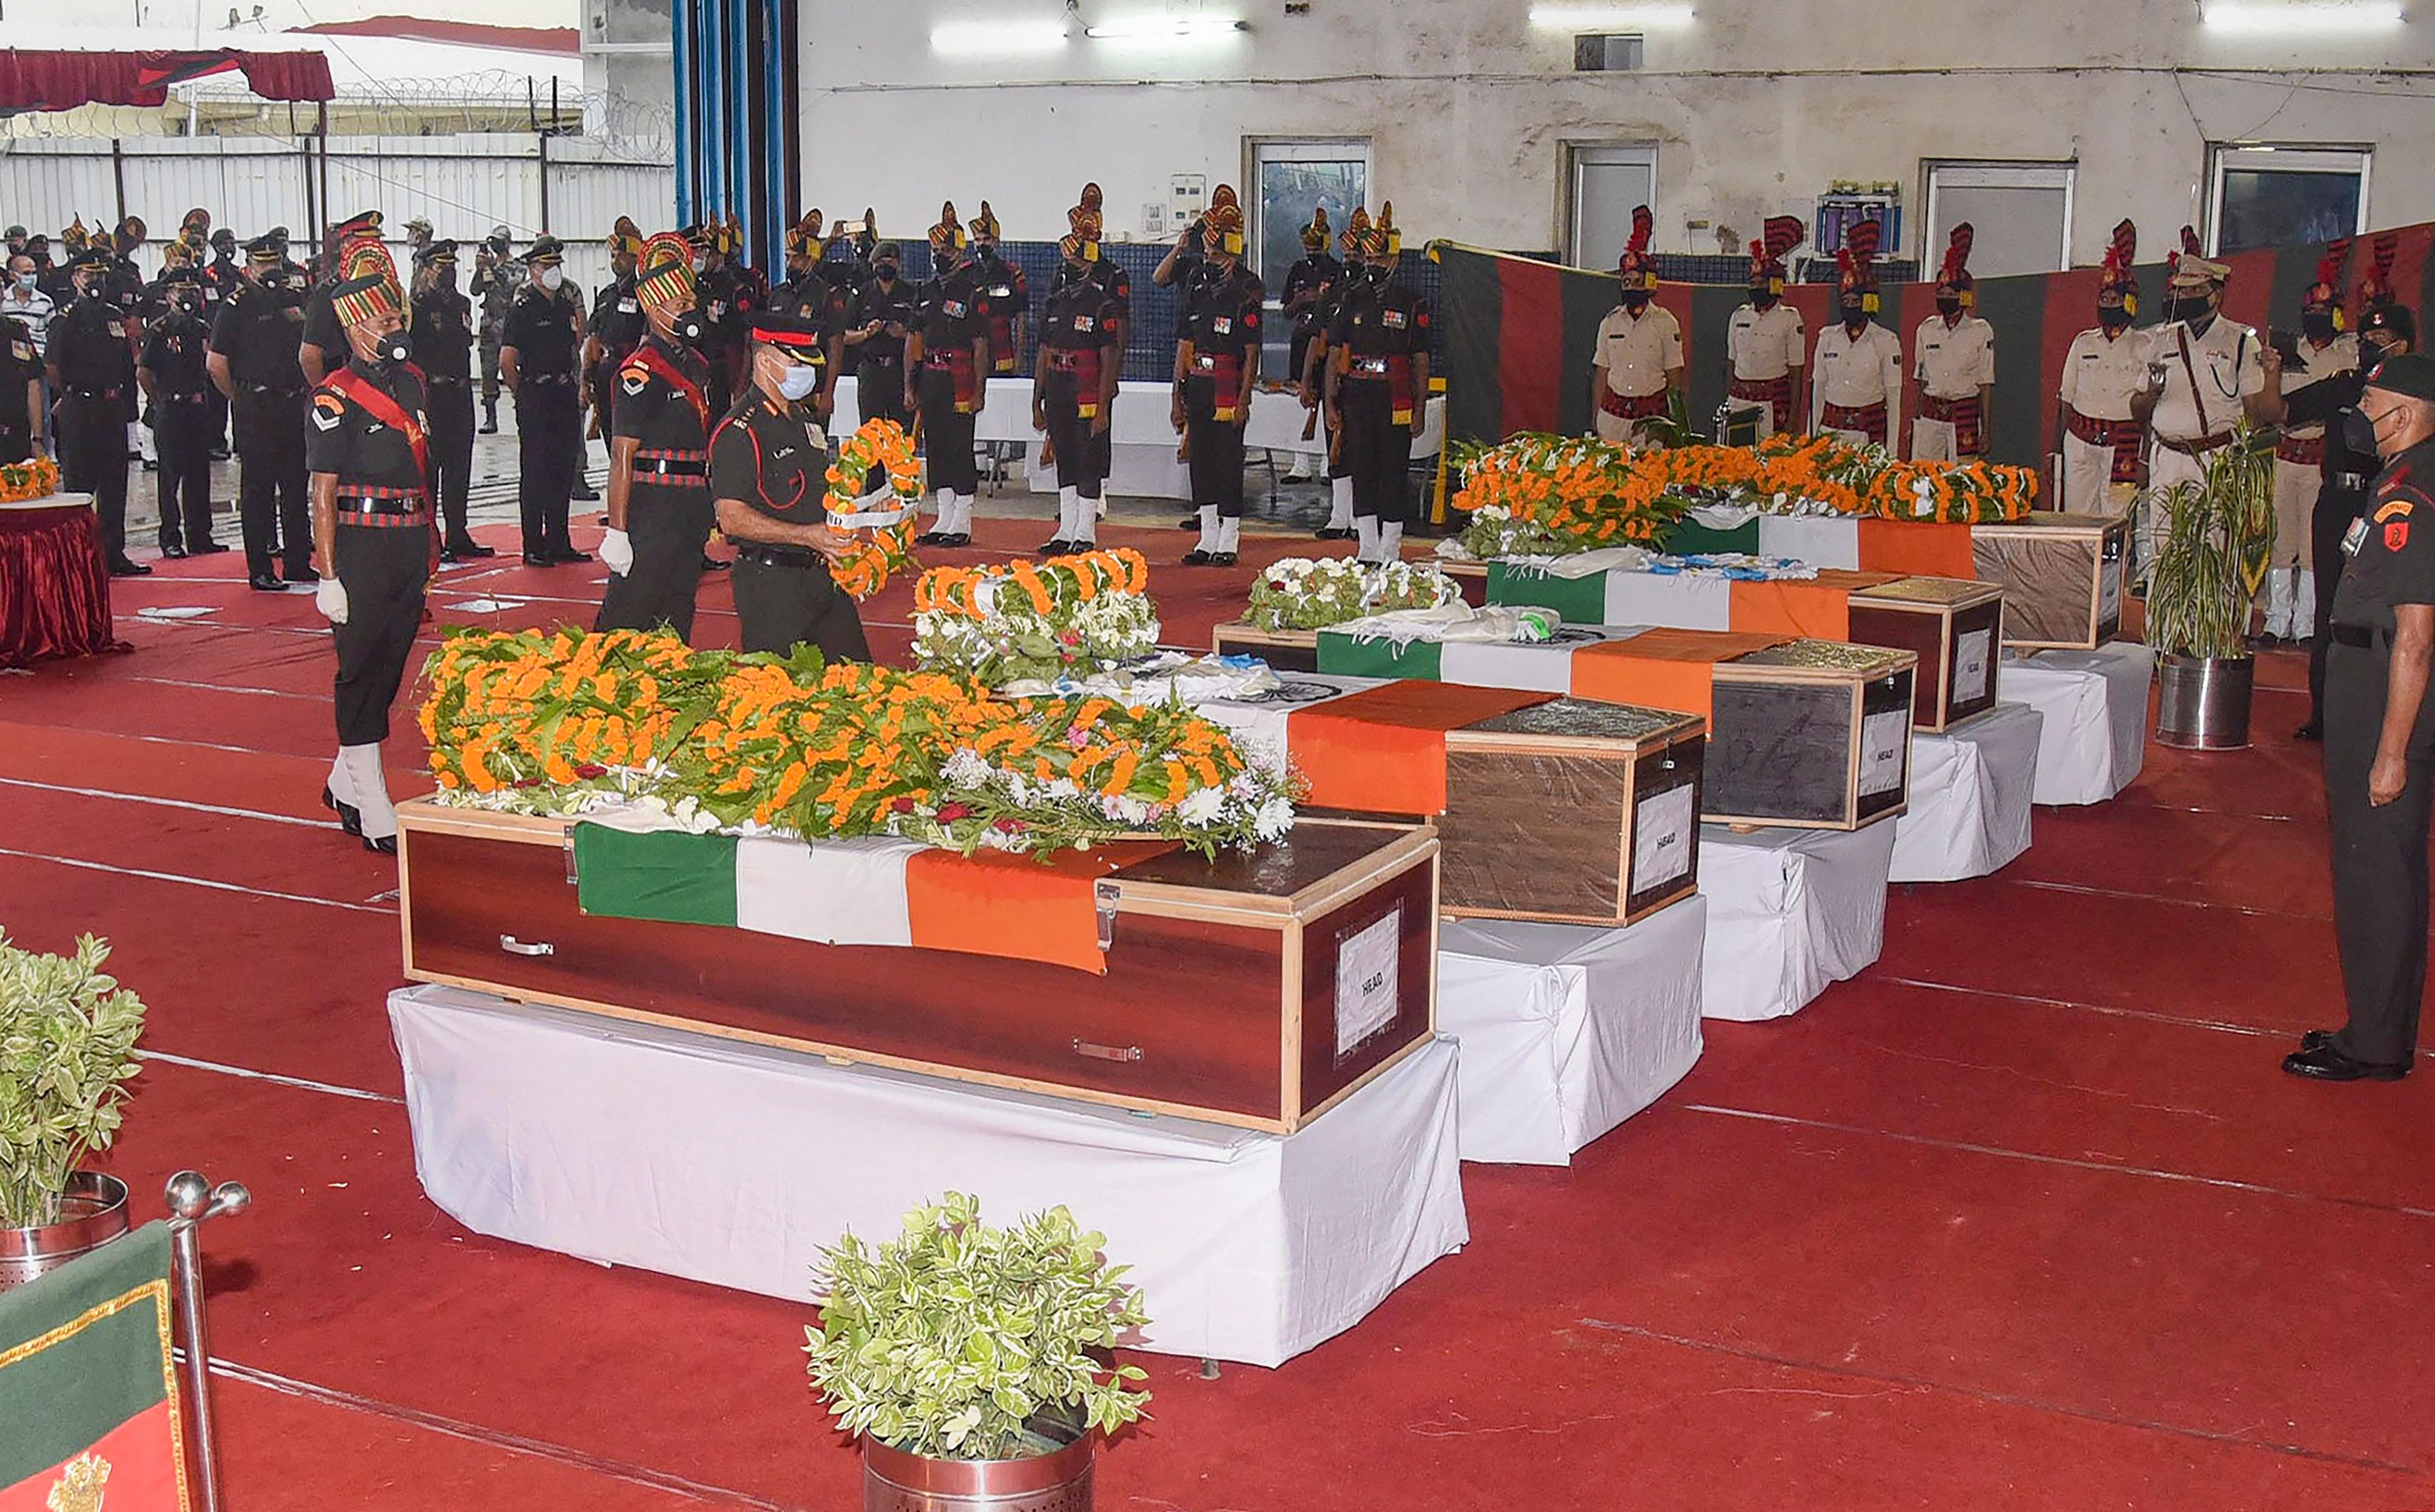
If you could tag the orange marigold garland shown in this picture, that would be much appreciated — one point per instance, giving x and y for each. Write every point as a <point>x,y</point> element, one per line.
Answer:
<point>1025,622</point>
<point>883,547</point>
<point>37,477</point>
<point>559,723</point>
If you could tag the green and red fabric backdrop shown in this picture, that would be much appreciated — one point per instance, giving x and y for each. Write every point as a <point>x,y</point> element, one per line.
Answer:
<point>1518,333</point>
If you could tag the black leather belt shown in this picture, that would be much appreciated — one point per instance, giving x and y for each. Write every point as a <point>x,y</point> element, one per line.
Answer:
<point>440,380</point>
<point>2362,636</point>
<point>666,468</point>
<point>797,557</point>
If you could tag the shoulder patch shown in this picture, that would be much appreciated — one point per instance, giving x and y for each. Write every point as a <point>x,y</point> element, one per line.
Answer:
<point>2391,509</point>
<point>633,377</point>
<point>328,410</point>
<point>2396,535</point>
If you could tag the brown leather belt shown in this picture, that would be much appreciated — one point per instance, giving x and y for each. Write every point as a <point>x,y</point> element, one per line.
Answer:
<point>2199,446</point>
<point>2099,432</point>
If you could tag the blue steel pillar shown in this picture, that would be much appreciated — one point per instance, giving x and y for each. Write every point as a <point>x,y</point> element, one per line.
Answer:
<point>736,147</point>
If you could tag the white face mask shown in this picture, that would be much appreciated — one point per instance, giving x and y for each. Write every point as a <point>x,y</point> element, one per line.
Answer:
<point>552,277</point>
<point>25,282</point>
<point>798,380</point>
<point>696,266</point>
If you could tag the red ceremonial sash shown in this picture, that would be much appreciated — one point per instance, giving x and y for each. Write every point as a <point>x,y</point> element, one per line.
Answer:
<point>672,375</point>
<point>375,401</point>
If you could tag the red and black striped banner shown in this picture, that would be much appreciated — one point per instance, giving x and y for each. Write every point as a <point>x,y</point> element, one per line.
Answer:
<point>1519,333</point>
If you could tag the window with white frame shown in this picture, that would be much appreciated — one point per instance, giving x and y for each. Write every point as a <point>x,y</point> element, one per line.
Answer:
<point>2019,215</point>
<point>2273,195</point>
<point>1603,182</point>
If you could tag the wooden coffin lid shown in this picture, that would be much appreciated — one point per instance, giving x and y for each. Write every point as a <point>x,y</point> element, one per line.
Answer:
<point>1931,592</point>
<point>2048,523</point>
<point>1320,863</point>
<point>1817,661</point>
<point>1578,727</point>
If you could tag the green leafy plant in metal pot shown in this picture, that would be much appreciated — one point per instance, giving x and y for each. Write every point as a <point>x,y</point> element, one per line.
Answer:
<point>2211,559</point>
<point>67,1048</point>
<point>961,1340</point>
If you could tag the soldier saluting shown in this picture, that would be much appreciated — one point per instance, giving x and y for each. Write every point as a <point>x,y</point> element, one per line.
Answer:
<point>660,512</point>
<point>369,453</point>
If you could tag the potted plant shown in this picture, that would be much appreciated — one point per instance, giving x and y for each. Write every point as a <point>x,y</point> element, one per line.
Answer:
<point>67,1048</point>
<point>973,1362</point>
<point>2209,563</point>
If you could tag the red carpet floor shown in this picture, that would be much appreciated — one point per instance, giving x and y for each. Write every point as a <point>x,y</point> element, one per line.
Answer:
<point>2022,1218</point>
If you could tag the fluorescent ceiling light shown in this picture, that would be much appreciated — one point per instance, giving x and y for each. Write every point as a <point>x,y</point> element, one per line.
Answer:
<point>1125,29</point>
<point>998,39</point>
<point>1609,18</point>
<point>2297,18</point>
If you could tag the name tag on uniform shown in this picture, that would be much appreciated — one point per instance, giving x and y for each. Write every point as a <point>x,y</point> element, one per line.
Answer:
<point>1393,319</point>
<point>1001,292</point>
<point>1222,325</point>
<point>1828,356</point>
<point>628,306</point>
<point>1931,346</point>
<point>1084,324</point>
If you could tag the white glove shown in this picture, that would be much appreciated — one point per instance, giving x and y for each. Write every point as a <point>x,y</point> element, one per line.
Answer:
<point>330,597</point>
<point>618,552</point>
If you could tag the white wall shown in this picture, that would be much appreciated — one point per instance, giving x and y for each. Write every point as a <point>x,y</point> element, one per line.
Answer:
<point>1468,107</point>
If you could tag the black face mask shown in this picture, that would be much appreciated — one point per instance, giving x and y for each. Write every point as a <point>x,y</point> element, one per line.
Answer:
<point>186,307</point>
<point>688,327</point>
<point>2316,327</point>
<point>90,291</point>
<point>1948,309</point>
<point>1855,316</point>
<point>2358,432</point>
<point>2188,310</point>
<point>2113,320</point>
<point>390,350</point>
<point>887,272</point>
<point>447,279</point>
<point>1635,299</point>
<point>1764,298</point>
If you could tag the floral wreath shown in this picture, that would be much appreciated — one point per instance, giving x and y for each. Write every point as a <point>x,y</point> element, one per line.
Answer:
<point>34,478</point>
<point>879,551</point>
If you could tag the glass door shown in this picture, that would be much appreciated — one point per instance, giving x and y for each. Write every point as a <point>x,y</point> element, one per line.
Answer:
<point>1288,178</point>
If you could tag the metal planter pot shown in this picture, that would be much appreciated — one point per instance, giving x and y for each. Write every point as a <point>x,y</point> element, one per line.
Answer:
<point>894,1480</point>
<point>2202,702</point>
<point>93,1212</point>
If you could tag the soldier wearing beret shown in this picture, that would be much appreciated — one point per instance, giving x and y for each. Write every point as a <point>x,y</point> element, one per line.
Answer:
<point>176,387</point>
<point>441,334</point>
<point>253,361</point>
<point>768,482</point>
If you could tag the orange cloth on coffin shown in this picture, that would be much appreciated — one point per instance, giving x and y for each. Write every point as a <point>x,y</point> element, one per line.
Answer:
<point>1917,549</point>
<point>1017,907</point>
<point>1818,607</point>
<point>1663,668</point>
<point>1382,750</point>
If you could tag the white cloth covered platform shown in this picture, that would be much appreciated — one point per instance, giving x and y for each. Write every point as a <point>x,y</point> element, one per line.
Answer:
<point>1970,790</point>
<point>1788,912</point>
<point>1568,1029</point>
<point>731,1163</point>
<point>2095,707</point>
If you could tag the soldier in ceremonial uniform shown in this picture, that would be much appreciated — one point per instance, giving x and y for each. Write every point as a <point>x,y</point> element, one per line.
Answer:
<point>726,306</point>
<point>2104,373</point>
<point>1110,275</point>
<point>24,418</point>
<point>536,361</point>
<point>325,342</point>
<point>880,319</point>
<point>1378,379</point>
<point>177,385</point>
<point>252,361</point>
<point>442,335</point>
<point>616,326</point>
<point>1855,377</point>
<point>496,283</point>
<point>1306,287</point>
<point>1766,352</point>
<point>768,472</point>
<point>810,293</point>
<point>126,278</point>
<point>2204,374</point>
<point>1004,295</point>
<point>92,359</point>
<point>1638,366</point>
<point>2324,348</point>
<point>1313,375</point>
<point>1073,384</point>
<point>370,460</point>
<point>2380,740</point>
<point>659,511</point>
<point>1217,361</point>
<point>947,366</point>
<point>60,283</point>
<point>1957,365</point>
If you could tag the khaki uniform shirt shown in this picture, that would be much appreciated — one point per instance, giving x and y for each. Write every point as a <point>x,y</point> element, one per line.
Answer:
<point>1954,360</point>
<point>1856,372</point>
<point>1637,353</point>
<point>2315,365</point>
<point>1764,345</point>
<point>2228,366</point>
<point>2099,374</point>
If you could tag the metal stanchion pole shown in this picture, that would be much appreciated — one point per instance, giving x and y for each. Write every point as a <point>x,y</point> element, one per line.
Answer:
<point>191,1200</point>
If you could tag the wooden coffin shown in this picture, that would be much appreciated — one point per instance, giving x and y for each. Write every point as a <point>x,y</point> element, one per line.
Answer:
<point>1955,627</point>
<point>1470,576</point>
<point>1572,812</point>
<point>1283,650</point>
<point>1812,734</point>
<point>1258,990</point>
<point>2061,577</point>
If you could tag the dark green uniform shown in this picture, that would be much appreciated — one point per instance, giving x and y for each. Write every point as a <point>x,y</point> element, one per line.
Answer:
<point>2380,879</point>
<point>91,347</point>
<point>1222,319</point>
<point>382,550</point>
<point>21,362</point>
<point>947,316</point>
<point>442,338</point>
<point>663,403</point>
<point>549,414</point>
<point>182,418</point>
<point>769,455</point>
<point>879,361</point>
<point>1383,327</point>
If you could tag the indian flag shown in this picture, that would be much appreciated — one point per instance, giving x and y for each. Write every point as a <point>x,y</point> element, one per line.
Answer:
<point>89,1411</point>
<point>873,891</point>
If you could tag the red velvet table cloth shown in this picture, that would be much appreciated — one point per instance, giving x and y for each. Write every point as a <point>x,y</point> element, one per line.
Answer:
<point>54,589</point>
